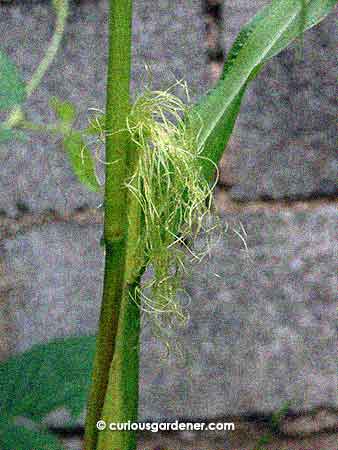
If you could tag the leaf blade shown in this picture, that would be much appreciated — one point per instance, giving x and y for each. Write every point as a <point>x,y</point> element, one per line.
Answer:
<point>7,134</point>
<point>81,160</point>
<point>269,32</point>
<point>20,438</point>
<point>47,377</point>
<point>12,87</point>
<point>65,111</point>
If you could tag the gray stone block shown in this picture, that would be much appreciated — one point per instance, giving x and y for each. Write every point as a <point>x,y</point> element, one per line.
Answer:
<point>261,331</point>
<point>168,36</point>
<point>54,280</point>
<point>284,143</point>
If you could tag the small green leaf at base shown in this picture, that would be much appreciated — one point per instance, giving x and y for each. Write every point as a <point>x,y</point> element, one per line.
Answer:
<point>81,160</point>
<point>47,377</point>
<point>7,134</point>
<point>15,437</point>
<point>12,88</point>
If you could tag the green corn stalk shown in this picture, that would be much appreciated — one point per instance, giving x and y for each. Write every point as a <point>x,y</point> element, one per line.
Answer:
<point>114,391</point>
<point>115,382</point>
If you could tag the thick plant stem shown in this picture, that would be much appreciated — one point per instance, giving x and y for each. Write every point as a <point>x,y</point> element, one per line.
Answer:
<point>115,206</point>
<point>121,402</point>
<point>105,341</point>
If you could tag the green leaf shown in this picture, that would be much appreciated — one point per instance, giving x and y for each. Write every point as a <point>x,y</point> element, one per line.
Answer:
<point>64,111</point>
<point>263,440</point>
<point>7,134</point>
<point>47,377</point>
<point>81,160</point>
<point>21,438</point>
<point>57,4</point>
<point>279,415</point>
<point>269,32</point>
<point>12,88</point>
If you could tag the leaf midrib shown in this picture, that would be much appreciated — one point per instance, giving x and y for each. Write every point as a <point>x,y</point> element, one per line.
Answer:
<point>236,78</point>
